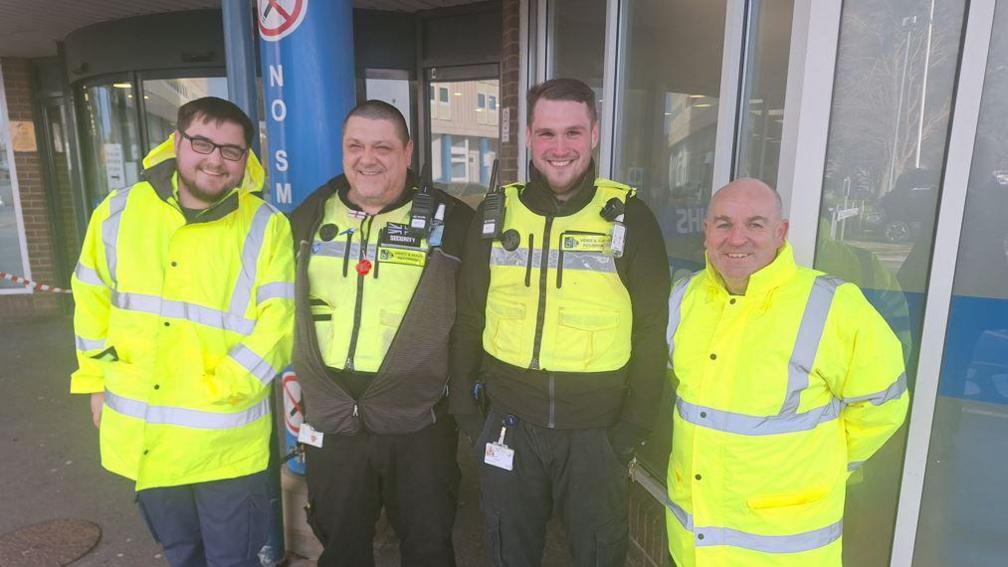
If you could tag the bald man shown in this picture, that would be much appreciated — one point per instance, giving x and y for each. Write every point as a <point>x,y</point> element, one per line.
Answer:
<point>788,380</point>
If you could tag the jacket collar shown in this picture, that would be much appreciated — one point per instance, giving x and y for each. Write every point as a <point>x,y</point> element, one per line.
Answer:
<point>341,187</point>
<point>771,276</point>
<point>540,199</point>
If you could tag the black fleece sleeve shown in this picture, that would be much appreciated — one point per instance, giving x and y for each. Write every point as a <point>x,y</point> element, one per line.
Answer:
<point>466,353</point>
<point>644,269</point>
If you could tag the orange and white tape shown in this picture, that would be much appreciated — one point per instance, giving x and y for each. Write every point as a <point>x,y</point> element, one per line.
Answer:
<point>31,284</point>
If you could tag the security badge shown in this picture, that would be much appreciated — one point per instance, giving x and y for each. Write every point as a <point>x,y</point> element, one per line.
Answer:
<point>401,245</point>
<point>309,436</point>
<point>497,454</point>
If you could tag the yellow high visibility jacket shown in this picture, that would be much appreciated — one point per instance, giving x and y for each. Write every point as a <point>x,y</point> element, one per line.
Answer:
<point>556,302</point>
<point>357,314</point>
<point>782,391</point>
<point>183,327</point>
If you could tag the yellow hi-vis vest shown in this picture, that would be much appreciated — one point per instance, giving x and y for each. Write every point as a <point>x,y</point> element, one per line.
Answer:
<point>782,392</point>
<point>357,314</point>
<point>556,301</point>
<point>183,326</point>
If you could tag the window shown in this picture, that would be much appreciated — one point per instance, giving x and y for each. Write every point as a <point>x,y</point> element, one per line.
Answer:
<point>492,105</point>
<point>13,252</point>
<point>163,97</point>
<point>443,93</point>
<point>481,103</point>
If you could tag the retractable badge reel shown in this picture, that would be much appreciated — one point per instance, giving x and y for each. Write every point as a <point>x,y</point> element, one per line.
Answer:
<point>497,453</point>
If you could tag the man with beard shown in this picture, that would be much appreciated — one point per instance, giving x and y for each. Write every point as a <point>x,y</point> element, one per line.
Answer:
<point>560,331</point>
<point>184,312</point>
<point>788,380</point>
<point>378,251</point>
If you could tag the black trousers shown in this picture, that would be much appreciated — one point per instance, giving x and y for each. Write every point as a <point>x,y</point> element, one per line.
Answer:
<point>575,472</point>
<point>415,476</point>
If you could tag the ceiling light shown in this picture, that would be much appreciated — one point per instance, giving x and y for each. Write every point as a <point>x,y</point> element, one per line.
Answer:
<point>457,94</point>
<point>697,96</point>
<point>122,85</point>
<point>702,105</point>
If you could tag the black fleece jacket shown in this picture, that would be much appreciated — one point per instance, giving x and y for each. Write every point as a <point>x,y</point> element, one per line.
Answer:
<point>628,397</point>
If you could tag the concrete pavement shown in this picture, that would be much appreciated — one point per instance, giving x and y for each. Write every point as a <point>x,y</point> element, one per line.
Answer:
<point>49,465</point>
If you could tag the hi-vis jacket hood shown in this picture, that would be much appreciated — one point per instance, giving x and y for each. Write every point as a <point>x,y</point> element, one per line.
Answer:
<point>183,325</point>
<point>254,173</point>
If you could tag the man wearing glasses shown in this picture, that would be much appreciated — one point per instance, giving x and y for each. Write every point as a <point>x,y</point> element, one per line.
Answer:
<point>184,313</point>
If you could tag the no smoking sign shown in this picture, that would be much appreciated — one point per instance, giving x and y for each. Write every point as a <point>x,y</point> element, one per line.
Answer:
<point>279,18</point>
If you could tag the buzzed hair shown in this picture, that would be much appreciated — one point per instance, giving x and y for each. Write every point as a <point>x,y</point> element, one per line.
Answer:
<point>760,183</point>
<point>561,89</point>
<point>218,110</point>
<point>380,110</point>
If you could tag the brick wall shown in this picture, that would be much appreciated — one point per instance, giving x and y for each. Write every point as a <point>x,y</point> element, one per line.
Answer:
<point>509,69</point>
<point>648,539</point>
<point>17,79</point>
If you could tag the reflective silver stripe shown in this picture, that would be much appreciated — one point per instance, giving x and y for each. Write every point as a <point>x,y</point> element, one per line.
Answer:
<point>854,465</point>
<point>88,344</point>
<point>792,543</point>
<point>589,261</point>
<point>166,415</point>
<point>110,231</point>
<point>253,363</point>
<point>675,307</point>
<point>893,392</point>
<point>810,331</point>
<point>742,424</point>
<point>573,260</point>
<point>250,260</point>
<point>87,275</point>
<point>179,310</point>
<point>337,249</point>
<point>275,290</point>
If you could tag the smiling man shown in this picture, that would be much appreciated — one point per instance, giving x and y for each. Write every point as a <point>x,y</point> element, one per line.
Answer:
<point>788,380</point>
<point>377,260</point>
<point>184,313</point>
<point>560,334</point>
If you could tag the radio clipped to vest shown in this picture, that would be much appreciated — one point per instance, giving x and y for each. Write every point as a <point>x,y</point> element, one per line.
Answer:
<point>493,215</point>
<point>613,212</point>
<point>426,220</point>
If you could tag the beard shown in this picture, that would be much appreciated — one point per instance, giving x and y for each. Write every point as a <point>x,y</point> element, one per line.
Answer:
<point>202,193</point>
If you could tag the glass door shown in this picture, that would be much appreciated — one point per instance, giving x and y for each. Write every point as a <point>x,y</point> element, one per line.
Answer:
<point>464,128</point>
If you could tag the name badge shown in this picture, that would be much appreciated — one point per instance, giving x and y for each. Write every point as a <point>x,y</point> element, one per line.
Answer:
<point>585,242</point>
<point>402,256</point>
<point>497,454</point>
<point>308,436</point>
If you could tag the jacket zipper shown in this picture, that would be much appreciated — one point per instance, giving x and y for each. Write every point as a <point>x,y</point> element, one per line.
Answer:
<point>541,313</point>
<point>360,296</point>
<point>551,421</point>
<point>346,252</point>
<point>560,258</point>
<point>528,262</point>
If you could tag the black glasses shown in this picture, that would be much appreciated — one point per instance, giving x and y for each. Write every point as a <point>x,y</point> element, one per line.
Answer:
<point>204,146</point>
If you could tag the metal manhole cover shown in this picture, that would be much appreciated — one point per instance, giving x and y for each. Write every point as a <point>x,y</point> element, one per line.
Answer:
<point>49,543</point>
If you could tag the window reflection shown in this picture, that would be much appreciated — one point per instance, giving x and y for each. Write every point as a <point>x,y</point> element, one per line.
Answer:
<point>464,137</point>
<point>11,235</point>
<point>665,130</point>
<point>895,75</point>
<point>963,507</point>
<point>112,149</point>
<point>762,105</point>
<point>163,97</point>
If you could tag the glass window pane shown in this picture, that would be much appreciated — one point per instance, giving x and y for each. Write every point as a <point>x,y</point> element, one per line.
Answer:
<point>895,72</point>
<point>393,91</point>
<point>665,130</point>
<point>464,138</point>
<point>762,104</point>
<point>576,41</point>
<point>962,516</point>
<point>111,138</point>
<point>163,97</point>
<point>11,234</point>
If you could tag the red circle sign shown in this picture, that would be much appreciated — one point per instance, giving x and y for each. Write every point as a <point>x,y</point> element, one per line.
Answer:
<point>278,18</point>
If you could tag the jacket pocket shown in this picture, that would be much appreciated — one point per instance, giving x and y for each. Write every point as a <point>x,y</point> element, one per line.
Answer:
<point>507,326</point>
<point>588,334</point>
<point>783,500</point>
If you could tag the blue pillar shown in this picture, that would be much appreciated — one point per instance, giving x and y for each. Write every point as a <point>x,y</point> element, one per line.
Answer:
<point>446,158</point>
<point>483,167</point>
<point>239,53</point>
<point>309,86</point>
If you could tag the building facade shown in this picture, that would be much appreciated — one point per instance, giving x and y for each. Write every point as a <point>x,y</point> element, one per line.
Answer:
<point>878,121</point>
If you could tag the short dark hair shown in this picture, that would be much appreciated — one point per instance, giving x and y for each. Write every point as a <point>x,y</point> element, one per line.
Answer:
<point>216,109</point>
<point>380,110</point>
<point>561,89</point>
